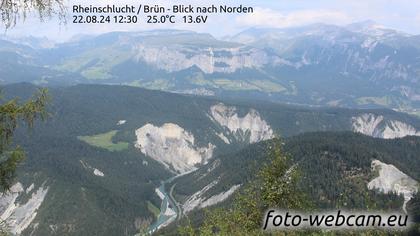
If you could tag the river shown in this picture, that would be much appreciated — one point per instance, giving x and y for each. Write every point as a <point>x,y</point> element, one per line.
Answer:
<point>166,216</point>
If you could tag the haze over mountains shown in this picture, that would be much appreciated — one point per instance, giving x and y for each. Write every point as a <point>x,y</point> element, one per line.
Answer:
<point>359,65</point>
<point>130,147</point>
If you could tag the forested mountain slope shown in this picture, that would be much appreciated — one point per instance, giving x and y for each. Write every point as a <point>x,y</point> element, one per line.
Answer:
<point>339,170</point>
<point>94,165</point>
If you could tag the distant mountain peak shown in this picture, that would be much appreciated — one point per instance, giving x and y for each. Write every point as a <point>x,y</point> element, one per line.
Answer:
<point>363,25</point>
<point>372,28</point>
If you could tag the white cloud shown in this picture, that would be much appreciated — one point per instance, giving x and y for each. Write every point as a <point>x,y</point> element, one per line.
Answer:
<point>263,17</point>
<point>399,14</point>
<point>52,29</point>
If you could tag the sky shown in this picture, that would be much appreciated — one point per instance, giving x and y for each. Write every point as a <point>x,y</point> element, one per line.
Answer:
<point>403,15</point>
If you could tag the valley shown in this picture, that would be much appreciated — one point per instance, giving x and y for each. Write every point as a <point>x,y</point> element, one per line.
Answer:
<point>189,153</point>
<point>170,123</point>
<point>169,210</point>
<point>369,66</point>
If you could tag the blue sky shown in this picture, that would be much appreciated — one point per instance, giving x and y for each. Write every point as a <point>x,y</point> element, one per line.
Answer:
<point>403,15</point>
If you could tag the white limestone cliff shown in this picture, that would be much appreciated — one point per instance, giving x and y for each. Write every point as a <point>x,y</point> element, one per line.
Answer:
<point>392,180</point>
<point>172,146</point>
<point>252,127</point>
<point>19,215</point>
<point>376,126</point>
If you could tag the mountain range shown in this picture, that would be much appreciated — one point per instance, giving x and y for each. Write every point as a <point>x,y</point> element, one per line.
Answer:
<point>147,130</point>
<point>362,65</point>
<point>96,166</point>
